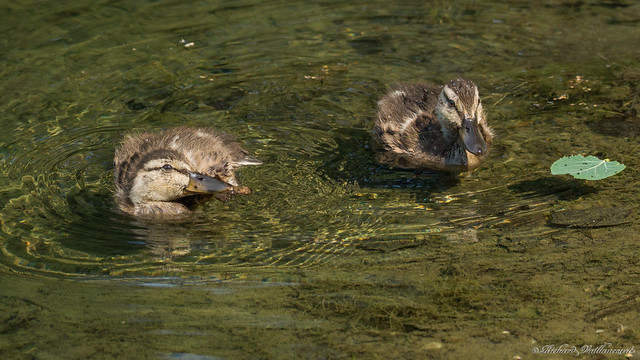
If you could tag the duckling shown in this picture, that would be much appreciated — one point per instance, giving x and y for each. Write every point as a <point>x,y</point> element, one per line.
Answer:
<point>425,126</point>
<point>160,175</point>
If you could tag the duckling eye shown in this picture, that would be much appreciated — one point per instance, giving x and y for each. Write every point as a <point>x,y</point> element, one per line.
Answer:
<point>167,167</point>
<point>452,103</point>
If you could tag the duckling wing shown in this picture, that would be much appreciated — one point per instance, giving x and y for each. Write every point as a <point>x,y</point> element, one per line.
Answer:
<point>402,111</point>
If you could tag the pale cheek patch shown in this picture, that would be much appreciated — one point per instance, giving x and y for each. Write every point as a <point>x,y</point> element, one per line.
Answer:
<point>137,193</point>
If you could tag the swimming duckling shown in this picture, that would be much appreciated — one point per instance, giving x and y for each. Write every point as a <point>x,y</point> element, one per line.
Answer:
<point>160,174</point>
<point>433,127</point>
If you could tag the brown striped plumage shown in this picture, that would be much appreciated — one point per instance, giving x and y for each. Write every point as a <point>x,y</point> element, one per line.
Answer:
<point>426,126</point>
<point>157,173</point>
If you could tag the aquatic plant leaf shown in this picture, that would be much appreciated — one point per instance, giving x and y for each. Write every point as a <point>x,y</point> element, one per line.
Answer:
<point>589,168</point>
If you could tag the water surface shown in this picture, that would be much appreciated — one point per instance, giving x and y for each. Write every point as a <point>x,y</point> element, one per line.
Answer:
<point>333,255</point>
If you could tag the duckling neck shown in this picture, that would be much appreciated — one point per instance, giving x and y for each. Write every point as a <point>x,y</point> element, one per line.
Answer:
<point>449,132</point>
<point>458,158</point>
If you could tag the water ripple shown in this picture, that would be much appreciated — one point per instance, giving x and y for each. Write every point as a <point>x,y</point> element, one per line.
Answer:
<point>299,91</point>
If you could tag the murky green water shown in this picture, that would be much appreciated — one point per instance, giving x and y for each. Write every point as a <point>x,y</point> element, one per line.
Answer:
<point>332,256</point>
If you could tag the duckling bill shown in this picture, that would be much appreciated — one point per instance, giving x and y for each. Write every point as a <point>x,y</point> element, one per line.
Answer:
<point>424,126</point>
<point>161,174</point>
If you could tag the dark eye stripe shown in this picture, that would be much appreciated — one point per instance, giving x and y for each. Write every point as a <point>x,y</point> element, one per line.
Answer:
<point>161,168</point>
<point>450,102</point>
<point>457,108</point>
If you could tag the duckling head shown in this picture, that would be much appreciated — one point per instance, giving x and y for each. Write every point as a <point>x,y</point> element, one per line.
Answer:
<point>459,111</point>
<point>166,176</point>
<point>161,182</point>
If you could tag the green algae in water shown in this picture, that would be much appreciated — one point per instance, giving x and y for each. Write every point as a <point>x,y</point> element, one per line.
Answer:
<point>589,168</point>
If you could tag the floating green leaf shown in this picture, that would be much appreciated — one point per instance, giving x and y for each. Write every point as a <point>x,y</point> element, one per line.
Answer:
<point>589,168</point>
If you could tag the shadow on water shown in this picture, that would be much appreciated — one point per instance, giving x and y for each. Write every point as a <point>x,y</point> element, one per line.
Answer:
<point>353,161</point>
<point>94,219</point>
<point>619,126</point>
<point>372,45</point>
<point>563,188</point>
<point>114,234</point>
<point>98,240</point>
<point>172,101</point>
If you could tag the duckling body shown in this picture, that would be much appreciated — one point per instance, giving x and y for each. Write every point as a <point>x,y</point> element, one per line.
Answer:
<point>423,126</point>
<point>159,174</point>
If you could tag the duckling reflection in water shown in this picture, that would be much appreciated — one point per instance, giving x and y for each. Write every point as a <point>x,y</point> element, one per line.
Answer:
<point>424,126</point>
<point>160,175</point>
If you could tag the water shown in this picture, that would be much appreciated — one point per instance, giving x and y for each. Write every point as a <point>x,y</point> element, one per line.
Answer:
<point>333,255</point>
